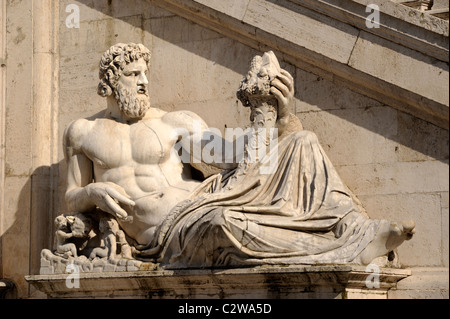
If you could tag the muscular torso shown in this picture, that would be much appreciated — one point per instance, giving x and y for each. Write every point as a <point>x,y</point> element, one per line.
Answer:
<point>137,157</point>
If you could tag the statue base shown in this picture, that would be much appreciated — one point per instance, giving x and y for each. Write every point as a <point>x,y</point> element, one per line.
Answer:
<point>265,282</point>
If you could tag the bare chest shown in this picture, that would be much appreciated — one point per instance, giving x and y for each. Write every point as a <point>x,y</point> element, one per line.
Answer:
<point>116,145</point>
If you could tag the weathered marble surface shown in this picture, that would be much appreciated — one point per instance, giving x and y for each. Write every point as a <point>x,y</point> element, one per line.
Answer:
<point>374,146</point>
<point>278,200</point>
<point>272,282</point>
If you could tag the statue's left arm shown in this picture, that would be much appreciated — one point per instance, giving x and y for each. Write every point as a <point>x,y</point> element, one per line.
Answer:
<point>196,135</point>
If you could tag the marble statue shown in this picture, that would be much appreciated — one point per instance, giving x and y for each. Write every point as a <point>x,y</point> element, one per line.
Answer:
<point>111,237</point>
<point>62,234</point>
<point>121,167</point>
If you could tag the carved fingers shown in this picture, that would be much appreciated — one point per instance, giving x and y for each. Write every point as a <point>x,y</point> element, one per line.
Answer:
<point>109,197</point>
<point>283,89</point>
<point>119,193</point>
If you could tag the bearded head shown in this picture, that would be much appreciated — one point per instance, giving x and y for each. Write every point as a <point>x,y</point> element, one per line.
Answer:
<point>133,100</point>
<point>132,103</point>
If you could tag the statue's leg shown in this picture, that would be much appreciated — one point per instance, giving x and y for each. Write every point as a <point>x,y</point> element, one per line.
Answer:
<point>73,250</point>
<point>99,251</point>
<point>389,236</point>
<point>67,250</point>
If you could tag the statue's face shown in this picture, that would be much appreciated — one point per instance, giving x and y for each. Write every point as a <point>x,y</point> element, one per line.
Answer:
<point>61,222</point>
<point>131,91</point>
<point>134,76</point>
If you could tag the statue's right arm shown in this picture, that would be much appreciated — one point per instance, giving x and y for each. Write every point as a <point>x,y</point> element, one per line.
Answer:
<point>83,194</point>
<point>79,169</point>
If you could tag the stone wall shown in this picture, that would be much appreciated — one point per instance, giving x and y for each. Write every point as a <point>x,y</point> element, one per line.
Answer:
<point>396,163</point>
<point>28,135</point>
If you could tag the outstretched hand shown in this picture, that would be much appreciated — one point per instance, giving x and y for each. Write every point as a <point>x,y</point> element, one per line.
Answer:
<point>108,196</point>
<point>282,87</point>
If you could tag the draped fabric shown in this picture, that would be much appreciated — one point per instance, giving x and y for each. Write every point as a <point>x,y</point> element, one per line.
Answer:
<point>300,214</point>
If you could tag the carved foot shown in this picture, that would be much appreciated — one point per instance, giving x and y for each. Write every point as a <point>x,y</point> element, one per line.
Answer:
<point>399,232</point>
<point>388,237</point>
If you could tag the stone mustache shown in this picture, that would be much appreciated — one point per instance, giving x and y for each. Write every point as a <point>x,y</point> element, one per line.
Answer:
<point>133,200</point>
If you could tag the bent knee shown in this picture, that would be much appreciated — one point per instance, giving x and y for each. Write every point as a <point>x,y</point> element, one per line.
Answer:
<point>305,136</point>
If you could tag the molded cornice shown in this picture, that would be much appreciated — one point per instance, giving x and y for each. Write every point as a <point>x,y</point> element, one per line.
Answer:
<point>403,63</point>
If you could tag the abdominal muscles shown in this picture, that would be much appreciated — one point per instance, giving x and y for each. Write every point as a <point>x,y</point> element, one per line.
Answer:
<point>153,193</point>
<point>149,211</point>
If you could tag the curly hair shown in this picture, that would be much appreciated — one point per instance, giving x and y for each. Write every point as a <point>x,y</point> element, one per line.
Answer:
<point>114,60</point>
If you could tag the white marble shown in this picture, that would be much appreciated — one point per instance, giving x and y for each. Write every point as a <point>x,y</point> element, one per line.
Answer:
<point>277,200</point>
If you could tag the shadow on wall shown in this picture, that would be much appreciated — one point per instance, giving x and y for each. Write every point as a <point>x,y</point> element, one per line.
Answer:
<point>412,133</point>
<point>31,231</point>
<point>15,242</point>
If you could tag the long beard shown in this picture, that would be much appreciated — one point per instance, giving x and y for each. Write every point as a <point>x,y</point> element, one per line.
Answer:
<point>131,103</point>
<point>263,122</point>
<point>263,119</point>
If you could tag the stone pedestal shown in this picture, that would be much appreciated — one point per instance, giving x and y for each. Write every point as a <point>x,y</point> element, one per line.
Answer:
<point>7,289</point>
<point>268,282</point>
